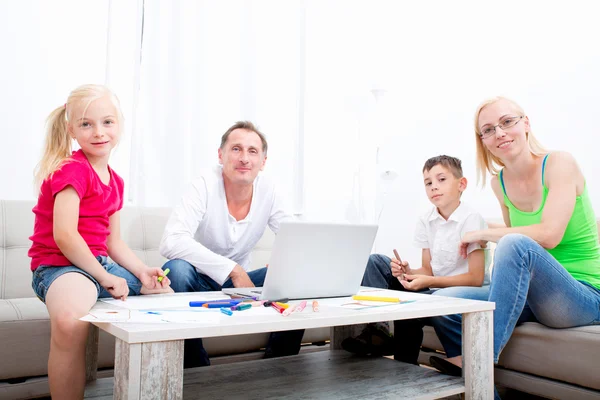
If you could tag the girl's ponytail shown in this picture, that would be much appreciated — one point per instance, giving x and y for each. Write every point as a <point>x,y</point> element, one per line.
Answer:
<point>57,146</point>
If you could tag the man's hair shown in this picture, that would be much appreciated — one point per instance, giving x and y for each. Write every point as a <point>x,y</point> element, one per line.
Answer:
<point>451,163</point>
<point>249,126</point>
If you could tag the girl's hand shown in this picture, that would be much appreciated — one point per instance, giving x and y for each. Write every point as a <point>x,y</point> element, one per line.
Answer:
<point>416,282</point>
<point>149,278</point>
<point>116,286</point>
<point>468,238</point>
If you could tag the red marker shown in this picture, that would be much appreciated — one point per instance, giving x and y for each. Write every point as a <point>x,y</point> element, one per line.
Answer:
<point>278,307</point>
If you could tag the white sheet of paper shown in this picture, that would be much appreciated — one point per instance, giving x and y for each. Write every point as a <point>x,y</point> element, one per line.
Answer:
<point>163,301</point>
<point>122,315</point>
<point>207,317</point>
<point>154,317</point>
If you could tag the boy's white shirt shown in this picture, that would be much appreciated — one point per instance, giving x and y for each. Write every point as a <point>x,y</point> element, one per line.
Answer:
<point>442,238</point>
<point>202,232</point>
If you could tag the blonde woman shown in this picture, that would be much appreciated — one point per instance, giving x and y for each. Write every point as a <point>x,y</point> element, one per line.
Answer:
<point>547,262</point>
<point>77,227</point>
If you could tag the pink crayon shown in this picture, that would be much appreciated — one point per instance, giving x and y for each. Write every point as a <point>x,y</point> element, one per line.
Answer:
<point>289,310</point>
<point>301,306</point>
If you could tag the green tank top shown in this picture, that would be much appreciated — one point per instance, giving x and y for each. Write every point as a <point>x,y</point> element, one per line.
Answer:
<point>579,250</point>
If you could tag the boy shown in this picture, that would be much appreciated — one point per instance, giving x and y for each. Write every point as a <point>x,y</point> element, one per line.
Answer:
<point>443,272</point>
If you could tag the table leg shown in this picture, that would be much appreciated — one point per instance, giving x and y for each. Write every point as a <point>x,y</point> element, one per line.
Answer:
<point>148,370</point>
<point>478,353</point>
<point>91,354</point>
<point>338,333</point>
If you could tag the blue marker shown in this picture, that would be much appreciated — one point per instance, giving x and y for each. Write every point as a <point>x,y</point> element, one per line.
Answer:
<point>232,302</point>
<point>226,311</point>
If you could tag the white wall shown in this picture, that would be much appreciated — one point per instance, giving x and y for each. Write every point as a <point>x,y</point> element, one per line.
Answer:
<point>47,48</point>
<point>436,60</point>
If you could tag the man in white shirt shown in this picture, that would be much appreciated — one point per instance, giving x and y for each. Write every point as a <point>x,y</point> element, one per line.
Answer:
<point>219,220</point>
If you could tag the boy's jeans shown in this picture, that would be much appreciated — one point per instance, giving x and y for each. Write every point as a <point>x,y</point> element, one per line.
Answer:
<point>529,284</point>
<point>408,333</point>
<point>185,278</point>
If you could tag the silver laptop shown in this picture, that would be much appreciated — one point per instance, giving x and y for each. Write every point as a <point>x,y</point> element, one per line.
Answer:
<point>314,260</point>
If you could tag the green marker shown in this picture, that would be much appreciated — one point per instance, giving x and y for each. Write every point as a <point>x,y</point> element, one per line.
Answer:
<point>242,307</point>
<point>160,278</point>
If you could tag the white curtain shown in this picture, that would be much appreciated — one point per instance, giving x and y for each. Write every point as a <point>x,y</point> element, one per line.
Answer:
<point>204,66</point>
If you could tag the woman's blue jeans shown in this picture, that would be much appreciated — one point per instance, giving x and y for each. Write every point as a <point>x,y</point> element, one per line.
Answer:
<point>529,284</point>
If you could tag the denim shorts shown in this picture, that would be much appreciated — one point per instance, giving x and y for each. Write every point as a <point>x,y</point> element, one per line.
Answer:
<point>44,275</point>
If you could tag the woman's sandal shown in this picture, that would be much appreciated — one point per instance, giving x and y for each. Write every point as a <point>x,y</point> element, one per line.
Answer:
<point>445,367</point>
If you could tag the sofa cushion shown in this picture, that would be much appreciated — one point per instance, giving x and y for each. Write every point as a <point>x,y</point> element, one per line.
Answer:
<point>16,225</point>
<point>570,355</point>
<point>25,338</point>
<point>142,229</point>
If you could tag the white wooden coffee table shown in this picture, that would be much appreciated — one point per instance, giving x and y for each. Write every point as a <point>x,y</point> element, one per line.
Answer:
<point>149,357</point>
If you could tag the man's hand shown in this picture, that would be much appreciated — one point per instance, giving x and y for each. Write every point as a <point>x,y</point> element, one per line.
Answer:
<point>116,286</point>
<point>416,282</point>
<point>240,278</point>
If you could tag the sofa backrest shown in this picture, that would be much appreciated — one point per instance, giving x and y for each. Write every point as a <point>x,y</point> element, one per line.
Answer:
<point>141,229</point>
<point>16,225</point>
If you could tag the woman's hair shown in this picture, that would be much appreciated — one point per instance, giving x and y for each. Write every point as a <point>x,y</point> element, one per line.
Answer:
<point>486,161</point>
<point>57,146</point>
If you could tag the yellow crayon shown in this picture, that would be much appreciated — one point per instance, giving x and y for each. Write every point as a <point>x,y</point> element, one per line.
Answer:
<point>160,278</point>
<point>377,298</point>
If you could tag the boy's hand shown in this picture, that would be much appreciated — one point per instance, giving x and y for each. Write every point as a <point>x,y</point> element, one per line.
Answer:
<point>399,268</point>
<point>116,286</point>
<point>468,238</point>
<point>416,282</point>
<point>149,278</point>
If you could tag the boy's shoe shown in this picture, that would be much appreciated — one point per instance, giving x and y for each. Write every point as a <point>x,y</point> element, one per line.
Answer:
<point>374,340</point>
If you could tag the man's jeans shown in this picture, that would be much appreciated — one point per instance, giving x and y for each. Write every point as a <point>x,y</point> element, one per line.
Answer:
<point>185,278</point>
<point>408,333</point>
<point>529,284</point>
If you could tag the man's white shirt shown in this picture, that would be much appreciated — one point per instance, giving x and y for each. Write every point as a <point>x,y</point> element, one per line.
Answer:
<point>442,238</point>
<point>202,232</point>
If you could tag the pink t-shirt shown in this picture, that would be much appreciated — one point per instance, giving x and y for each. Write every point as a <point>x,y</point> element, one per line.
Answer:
<point>98,203</point>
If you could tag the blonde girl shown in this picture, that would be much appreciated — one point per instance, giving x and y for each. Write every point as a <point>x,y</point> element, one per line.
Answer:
<point>77,228</point>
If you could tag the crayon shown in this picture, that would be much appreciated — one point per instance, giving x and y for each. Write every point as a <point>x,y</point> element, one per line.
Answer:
<point>160,278</point>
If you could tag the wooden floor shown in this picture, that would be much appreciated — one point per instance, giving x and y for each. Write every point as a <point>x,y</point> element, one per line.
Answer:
<point>320,375</point>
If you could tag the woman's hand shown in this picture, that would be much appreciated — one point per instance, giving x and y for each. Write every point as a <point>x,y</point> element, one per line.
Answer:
<point>416,282</point>
<point>468,238</point>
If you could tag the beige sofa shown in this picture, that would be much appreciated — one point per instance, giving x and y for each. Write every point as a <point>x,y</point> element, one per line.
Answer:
<point>552,363</point>
<point>562,364</point>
